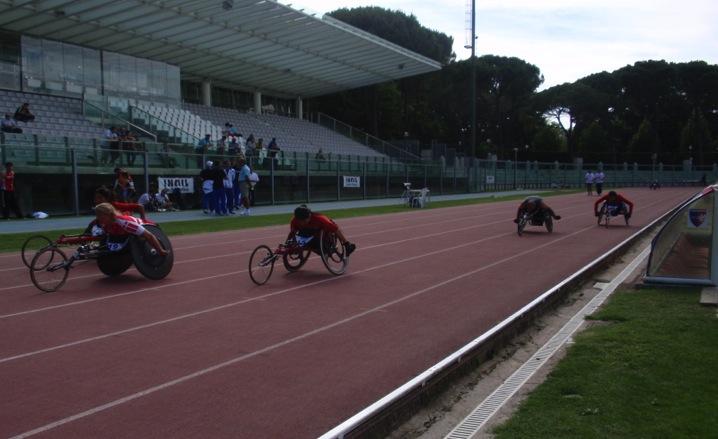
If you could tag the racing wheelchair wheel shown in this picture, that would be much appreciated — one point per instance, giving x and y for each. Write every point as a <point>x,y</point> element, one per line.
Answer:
<point>294,261</point>
<point>148,262</point>
<point>31,246</point>
<point>261,264</point>
<point>603,216</point>
<point>49,269</point>
<point>333,253</point>
<point>549,224</point>
<point>114,264</point>
<point>522,224</point>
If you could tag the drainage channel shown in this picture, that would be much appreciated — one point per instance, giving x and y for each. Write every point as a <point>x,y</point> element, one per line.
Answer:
<point>471,424</point>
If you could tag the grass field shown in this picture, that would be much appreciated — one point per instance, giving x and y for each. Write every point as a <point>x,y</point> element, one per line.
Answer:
<point>649,369</point>
<point>14,241</point>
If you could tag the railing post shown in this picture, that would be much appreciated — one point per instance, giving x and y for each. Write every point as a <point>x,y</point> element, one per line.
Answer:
<point>271,177</point>
<point>441,181</point>
<point>363,176</point>
<point>146,167</point>
<point>75,183</point>
<point>388,170</point>
<point>306,161</point>
<point>339,188</point>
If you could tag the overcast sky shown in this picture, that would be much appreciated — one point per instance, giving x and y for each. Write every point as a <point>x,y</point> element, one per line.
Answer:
<point>567,39</point>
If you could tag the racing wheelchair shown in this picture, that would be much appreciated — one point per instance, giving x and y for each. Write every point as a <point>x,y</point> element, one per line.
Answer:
<point>294,254</point>
<point>50,266</point>
<point>606,212</point>
<point>539,219</point>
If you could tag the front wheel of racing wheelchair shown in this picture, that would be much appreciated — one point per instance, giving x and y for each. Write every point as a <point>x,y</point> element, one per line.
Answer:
<point>333,253</point>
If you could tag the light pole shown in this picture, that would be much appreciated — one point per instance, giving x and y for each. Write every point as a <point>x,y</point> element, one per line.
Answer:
<point>526,173</point>
<point>473,78</point>
<point>516,159</point>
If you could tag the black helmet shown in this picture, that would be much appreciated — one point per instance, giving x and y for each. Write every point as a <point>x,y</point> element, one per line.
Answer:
<point>612,194</point>
<point>302,212</point>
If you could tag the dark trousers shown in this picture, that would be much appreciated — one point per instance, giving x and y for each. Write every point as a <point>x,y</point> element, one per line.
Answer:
<point>599,188</point>
<point>10,204</point>
<point>13,130</point>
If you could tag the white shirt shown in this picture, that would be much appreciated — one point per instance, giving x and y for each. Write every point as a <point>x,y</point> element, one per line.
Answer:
<point>598,178</point>
<point>9,123</point>
<point>144,199</point>
<point>228,177</point>
<point>590,176</point>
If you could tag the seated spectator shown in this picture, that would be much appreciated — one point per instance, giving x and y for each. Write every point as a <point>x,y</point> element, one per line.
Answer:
<point>129,144</point>
<point>250,142</point>
<point>201,149</point>
<point>226,131</point>
<point>232,146</point>
<point>23,114</point>
<point>164,202</point>
<point>148,200</point>
<point>8,125</point>
<point>320,155</point>
<point>242,143</point>
<point>222,145</point>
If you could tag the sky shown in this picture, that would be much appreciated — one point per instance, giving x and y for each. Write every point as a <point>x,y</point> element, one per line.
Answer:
<point>566,39</point>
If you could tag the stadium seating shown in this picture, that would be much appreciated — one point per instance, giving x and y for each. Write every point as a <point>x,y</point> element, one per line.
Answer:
<point>55,117</point>
<point>292,134</point>
<point>186,121</point>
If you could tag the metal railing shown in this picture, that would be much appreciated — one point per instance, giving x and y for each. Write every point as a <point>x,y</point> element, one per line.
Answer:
<point>364,138</point>
<point>49,175</point>
<point>166,131</point>
<point>106,119</point>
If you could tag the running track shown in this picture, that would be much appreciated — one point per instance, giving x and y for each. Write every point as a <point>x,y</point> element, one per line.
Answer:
<point>205,353</point>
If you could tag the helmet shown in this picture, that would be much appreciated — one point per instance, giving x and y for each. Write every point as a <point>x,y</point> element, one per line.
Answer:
<point>612,194</point>
<point>302,212</point>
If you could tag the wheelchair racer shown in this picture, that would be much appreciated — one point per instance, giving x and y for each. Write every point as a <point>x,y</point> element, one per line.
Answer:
<point>118,228</point>
<point>616,204</point>
<point>537,208</point>
<point>103,194</point>
<point>306,226</point>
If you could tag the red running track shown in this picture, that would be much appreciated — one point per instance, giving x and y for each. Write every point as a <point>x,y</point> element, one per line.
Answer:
<point>205,353</point>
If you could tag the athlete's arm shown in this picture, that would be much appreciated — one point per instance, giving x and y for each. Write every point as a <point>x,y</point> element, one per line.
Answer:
<point>155,243</point>
<point>627,201</point>
<point>599,201</point>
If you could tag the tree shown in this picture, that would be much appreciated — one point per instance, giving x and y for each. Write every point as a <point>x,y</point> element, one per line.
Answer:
<point>594,145</point>
<point>645,143</point>
<point>696,138</point>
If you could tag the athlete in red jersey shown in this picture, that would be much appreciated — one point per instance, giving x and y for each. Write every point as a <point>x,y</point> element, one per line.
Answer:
<point>7,184</point>
<point>104,195</point>
<point>117,225</point>
<point>306,225</point>
<point>616,204</point>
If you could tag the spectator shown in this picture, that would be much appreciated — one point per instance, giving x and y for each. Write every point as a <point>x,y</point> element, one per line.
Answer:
<point>148,200</point>
<point>320,155</point>
<point>114,145</point>
<point>8,125</point>
<point>218,193</point>
<point>129,144</point>
<point>119,171</point>
<point>233,131</point>
<point>201,149</point>
<point>598,179</point>
<point>273,147</point>
<point>8,192</point>
<point>226,131</point>
<point>242,143</point>
<point>124,187</point>
<point>244,183</point>
<point>109,135</point>
<point>23,114</point>
<point>233,146</point>
<point>589,177</point>
<point>164,202</point>
<point>207,191</point>
<point>250,143</point>
<point>253,180</point>
<point>229,176</point>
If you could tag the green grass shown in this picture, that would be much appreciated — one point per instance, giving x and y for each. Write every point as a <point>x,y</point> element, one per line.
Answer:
<point>14,241</point>
<point>651,372</point>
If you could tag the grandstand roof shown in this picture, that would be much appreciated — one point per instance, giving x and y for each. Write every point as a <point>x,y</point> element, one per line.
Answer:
<point>253,44</point>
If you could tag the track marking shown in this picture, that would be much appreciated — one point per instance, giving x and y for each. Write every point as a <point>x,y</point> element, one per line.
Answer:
<point>288,341</point>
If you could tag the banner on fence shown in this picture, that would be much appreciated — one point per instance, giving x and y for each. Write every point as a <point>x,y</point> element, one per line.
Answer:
<point>490,179</point>
<point>184,184</point>
<point>351,181</point>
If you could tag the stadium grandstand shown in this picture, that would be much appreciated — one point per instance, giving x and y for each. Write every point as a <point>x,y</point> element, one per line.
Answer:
<point>177,70</point>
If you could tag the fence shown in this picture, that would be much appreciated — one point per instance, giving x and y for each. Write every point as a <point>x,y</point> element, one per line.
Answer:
<point>61,180</point>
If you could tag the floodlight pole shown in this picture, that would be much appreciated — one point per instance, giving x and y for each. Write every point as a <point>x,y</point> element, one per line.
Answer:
<point>473,79</point>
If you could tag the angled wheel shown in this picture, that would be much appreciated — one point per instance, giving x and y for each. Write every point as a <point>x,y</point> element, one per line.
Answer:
<point>31,246</point>
<point>114,264</point>
<point>522,224</point>
<point>261,264</point>
<point>148,262</point>
<point>49,269</point>
<point>295,261</point>
<point>333,253</point>
<point>549,224</point>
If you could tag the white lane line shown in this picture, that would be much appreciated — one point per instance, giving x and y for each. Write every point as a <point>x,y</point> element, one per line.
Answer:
<point>278,236</point>
<point>476,420</point>
<point>205,258</point>
<point>262,297</point>
<point>275,346</point>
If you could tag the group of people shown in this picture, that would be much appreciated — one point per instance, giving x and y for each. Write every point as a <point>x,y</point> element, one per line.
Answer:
<point>10,123</point>
<point>123,191</point>
<point>117,140</point>
<point>594,179</point>
<point>615,204</point>
<point>233,144</point>
<point>228,186</point>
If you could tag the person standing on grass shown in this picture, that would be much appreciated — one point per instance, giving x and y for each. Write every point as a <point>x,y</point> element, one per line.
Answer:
<point>220,199</point>
<point>229,175</point>
<point>207,188</point>
<point>598,179</point>
<point>589,182</point>
<point>253,180</point>
<point>9,199</point>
